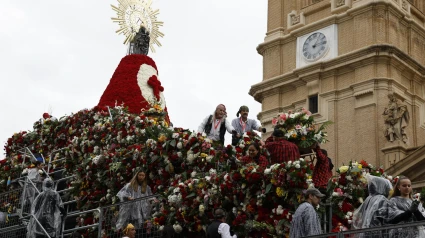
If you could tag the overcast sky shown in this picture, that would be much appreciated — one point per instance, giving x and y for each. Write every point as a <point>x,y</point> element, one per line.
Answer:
<point>59,56</point>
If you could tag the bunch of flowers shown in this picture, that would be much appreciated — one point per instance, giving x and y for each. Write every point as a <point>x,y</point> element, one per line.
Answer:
<point>349,188</point>
<point>299,127</point>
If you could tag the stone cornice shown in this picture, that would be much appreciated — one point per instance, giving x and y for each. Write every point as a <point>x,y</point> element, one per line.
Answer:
<point>409,163</point>
<point>354,59</point>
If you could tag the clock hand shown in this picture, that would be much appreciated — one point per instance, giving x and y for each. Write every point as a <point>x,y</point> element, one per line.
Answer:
<point>314,45</point>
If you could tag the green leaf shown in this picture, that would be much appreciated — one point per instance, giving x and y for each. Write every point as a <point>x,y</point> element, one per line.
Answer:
<point>191,195</point>
<point>268,188</point>
<point>173,143</point>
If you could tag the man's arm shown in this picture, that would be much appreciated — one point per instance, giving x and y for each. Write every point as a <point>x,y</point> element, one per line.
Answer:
<point>235,125</point>
<point>229,127</point>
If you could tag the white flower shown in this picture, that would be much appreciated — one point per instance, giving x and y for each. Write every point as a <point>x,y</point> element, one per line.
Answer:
<point>213,172</point>
<point>267,171</point>
<point>318,136</point>
<point>179,145</point>
<point>190,158</point>
<point>208,178</point>
<point>279,210</point>
<point>349,214</point>
<point>297,166</point>
<point>209,158</point>
<point>193,174</point>
<point>179,154</point>
<point>175,135</point>
<point>177,228</point>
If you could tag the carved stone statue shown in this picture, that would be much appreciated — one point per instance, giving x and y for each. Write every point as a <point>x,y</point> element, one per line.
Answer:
<point>396,118</point>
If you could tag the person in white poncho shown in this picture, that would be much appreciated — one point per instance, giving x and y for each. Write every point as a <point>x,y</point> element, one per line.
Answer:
<point>47,208</point>
<point>135,212</point>
<point>374,210</point>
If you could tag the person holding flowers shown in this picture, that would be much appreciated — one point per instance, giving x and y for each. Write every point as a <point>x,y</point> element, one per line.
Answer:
<point>254,156</point>
<point>404,208</point>
<point>216,124</point>
<point>243,124</point>
<point>280,149</point>
<point>322,169</point>
<point>132,212</point>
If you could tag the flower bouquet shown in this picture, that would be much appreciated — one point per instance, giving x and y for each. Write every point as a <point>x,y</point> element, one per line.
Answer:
<point>299,128</point>
<point>349,188</point>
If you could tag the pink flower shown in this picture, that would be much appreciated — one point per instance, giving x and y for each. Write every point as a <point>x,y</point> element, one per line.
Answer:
<point>282,116</point>
<point>274,121</point>
<point>298,127</point>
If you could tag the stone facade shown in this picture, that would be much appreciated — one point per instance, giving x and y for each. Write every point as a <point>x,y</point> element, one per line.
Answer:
<point>381,52</point>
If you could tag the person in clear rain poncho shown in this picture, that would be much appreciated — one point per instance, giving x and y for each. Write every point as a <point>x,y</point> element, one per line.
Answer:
<point>403,209</point>
<point>374,210</point>
<point>132,212</point>
<point>47,209</point>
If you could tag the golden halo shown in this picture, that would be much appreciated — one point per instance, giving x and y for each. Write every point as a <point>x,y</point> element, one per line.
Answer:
<point>132,14</point>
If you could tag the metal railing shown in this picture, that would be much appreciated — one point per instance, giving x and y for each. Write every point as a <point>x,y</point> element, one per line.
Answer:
<point>405,230</point>
<point>105,219</point>
<point>10,208</point>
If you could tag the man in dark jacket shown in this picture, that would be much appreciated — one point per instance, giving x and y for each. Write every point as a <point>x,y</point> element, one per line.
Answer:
<point>216,124</point>
<point>218,228</point>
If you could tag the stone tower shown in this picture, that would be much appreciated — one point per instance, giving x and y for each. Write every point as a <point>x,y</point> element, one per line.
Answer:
<point>358,63</point>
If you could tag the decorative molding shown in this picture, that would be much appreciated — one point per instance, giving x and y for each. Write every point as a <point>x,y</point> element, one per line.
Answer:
<point>404,5</point>
<point>295,20</point>
<point>338,6</point>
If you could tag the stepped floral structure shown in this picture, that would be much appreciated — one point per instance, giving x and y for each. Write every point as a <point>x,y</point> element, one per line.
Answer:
<point>104,146</point>
<point>130,130</point>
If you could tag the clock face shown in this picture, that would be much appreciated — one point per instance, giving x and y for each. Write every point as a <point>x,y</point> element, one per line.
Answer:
<point>136,16</point>
<point>315,46</point>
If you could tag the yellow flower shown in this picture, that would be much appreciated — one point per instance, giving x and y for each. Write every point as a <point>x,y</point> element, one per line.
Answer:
<point>203,155</point>
<point>294,135</point>
<point>162,138</point>
<point>309,177</point>
<point>273,181</point>
<point>280,192</point>
<point>360,166</point>
<point>343,169</point>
